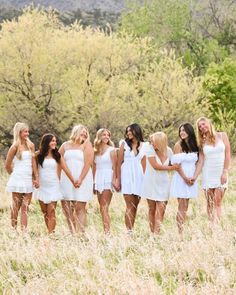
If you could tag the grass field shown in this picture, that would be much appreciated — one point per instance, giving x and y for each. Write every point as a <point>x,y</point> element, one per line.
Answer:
<point>204,262</point>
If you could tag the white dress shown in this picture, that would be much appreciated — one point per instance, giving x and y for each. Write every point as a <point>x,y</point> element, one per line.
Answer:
<point>156,183</point>
<point>49,184</point>
<point>21,180</point>
<point>132,171</point>
<point>179,188</point>
<point>74,159</point>
<point>214,158</point>
<point>104,171</point>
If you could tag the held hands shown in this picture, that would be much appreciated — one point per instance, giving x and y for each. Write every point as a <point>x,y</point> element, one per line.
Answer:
<point>77,183</point>
<point>116,184</point>
<point>36,183</point>
<point>175,167</point>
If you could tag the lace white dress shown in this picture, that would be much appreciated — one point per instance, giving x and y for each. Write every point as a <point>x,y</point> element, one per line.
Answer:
<point>214,158</point>
<point>74,159</point>
<point>104,171</point>
<point>21,180</point>
<point>49,184</point>
<point>156,183</point>
<point>131,170</point>
<point>179,188</point>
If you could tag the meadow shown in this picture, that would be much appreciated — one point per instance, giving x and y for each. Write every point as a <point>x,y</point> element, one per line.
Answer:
<point>203,262</point>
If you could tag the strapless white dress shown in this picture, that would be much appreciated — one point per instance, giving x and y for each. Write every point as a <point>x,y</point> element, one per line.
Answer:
<point>179,188</point>
<point>74,159</point>
<point>104,171</point>
<point>214,157</point>
<point>49,185</point>
<point>21,180</point>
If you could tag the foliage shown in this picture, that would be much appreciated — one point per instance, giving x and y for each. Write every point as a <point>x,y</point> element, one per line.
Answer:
<point>54,76</point>
<point>200,31</point>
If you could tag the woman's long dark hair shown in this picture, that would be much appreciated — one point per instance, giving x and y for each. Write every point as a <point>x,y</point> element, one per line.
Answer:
<point>191,144</point>
<point>44,149</point>
<point>137,133</point>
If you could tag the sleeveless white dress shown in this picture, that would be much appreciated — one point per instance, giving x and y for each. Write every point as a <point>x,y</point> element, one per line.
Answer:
<point>74,159</point>
<point>214,157</point>
<point>21,180</point>
<point>132,171</point>
<point>104,171</point>
<point>49,185</point>
<point>156,183</point>
<point>178,188</point>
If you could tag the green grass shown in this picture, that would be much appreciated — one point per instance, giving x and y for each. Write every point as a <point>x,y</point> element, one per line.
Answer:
<point>202,263</point>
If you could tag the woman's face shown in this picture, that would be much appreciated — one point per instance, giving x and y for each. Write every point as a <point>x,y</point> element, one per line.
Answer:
<point>182,133</point>
<point>203,127</point>
<point>83,135</point>
<point>129,133</point>
<point>153,144</point>
<point>53,143</point>
<point>105,137</point>
<point>24,134</point>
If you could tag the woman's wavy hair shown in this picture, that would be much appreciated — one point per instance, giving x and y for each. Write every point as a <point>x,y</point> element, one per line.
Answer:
<point>211,136</point>
<point>190,145</point>
<point>137,133</point>
<point>160,140</point>
<point>44,149</point>
<point>98,140</point>
<point>18,128</point>
<point>76,131</point>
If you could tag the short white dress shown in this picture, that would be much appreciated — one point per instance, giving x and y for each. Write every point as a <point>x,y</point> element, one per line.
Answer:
<point>21,180</point>
<point>74,159</point>
<point>179,188</point>
<point>104,171</point>
<point>49,185</point>
<point>214,158</point>
<point>132,171</point>
<point>156,183</point>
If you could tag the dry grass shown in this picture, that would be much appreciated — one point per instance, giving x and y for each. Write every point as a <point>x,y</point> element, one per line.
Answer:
<point>203,263</point>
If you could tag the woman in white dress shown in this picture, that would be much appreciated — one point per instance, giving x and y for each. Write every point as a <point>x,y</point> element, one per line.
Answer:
<point>104,171</point>
<point>186,154</point>
<point>130,171</point>
<point>156,183</point>
<point>78,154</point>
<point>21,165</point>
<point>214,161</point>
<point>50,162</point>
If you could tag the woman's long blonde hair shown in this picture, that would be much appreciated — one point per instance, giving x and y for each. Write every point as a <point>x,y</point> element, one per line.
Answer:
<point>98,141</point>
<point>211,136</point>
<point>76,131</point>
<point>159,139</point>
<point>18,128</point>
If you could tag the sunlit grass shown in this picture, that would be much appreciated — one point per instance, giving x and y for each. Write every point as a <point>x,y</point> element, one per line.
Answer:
<point>202,263</point>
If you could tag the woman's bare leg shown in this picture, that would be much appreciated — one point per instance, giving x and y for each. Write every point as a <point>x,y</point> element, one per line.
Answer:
<point>160,212</point>
<point>68,210</point>
<point>151,214</point>
<point>15,207</point>
<point>43,207</point>
<point>80,212</point>
<point>182,213</point>
<point>24,210</point>
<point>51,216</point>
<point>132,202</point>
<point>104,200</point>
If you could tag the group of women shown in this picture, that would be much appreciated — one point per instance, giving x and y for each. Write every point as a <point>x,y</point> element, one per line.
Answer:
<point>138,169</point>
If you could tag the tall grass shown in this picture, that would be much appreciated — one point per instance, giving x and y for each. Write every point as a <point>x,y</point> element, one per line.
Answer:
<point>202,263</point>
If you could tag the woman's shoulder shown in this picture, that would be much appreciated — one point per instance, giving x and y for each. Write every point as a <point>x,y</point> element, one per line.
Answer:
<point>177,148</point>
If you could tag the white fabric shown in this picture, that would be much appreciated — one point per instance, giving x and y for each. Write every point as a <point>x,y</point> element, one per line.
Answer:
<point>104,171</point>
<point>49,184</point>
<point>74,159</point>
<point>131,170</point>
<point>179,188</point>
<point>21,180</point>
<point>214,157</point>
<point>156,183</point>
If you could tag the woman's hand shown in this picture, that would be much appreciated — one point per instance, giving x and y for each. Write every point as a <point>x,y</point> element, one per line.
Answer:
<point>78,183</point>
<point>224,177</point>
